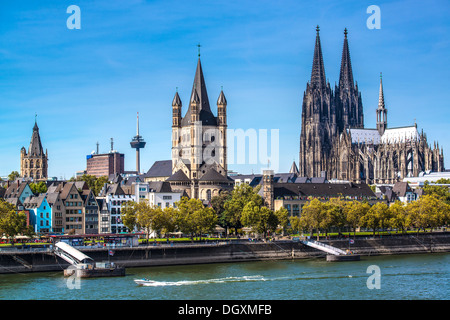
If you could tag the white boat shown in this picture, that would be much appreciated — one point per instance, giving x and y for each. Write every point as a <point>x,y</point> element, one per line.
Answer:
<point>143,282</point>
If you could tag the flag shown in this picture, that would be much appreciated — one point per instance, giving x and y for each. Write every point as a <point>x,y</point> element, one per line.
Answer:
<point>352,241</point>
<point>111,253</point>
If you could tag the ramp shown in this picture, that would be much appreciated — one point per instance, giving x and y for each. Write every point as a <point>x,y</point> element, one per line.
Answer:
<point>324,247</point>
<point>70,254</point>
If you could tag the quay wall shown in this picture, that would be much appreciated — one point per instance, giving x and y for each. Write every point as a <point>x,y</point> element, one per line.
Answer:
<point>21,261</point>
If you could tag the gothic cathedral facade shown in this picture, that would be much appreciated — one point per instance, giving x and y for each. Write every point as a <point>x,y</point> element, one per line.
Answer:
<point>335,144</point>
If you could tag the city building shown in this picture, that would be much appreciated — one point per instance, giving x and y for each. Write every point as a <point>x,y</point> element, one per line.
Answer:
<point>334,142</point>
<point>40,215</point>
<point>34,164</point>
<point>105,164</point>
<point>199,140</point>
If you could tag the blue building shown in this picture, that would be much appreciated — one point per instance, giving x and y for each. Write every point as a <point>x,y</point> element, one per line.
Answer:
<point>40,213</point>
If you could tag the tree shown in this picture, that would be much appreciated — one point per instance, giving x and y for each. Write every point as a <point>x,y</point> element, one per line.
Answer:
<point>167,220</point>
<point>128,214</point>
<point>354,211</point>
<point>283,218</point>
<point>261,219</point>
<point>313,214</point>
<point>377,216</point>
<point>37,188</point>
<point>240,197</point>
<point>428,211</point>
<point>400,218</point>
<point>13,176</point>
<point>294,221</point>
<point>194,218</point>
<point>218,204</point>
<point>440,192</point>
<point>11,222</point>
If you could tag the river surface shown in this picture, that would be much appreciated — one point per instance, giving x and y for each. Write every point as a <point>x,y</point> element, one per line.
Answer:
<point>400,277</point>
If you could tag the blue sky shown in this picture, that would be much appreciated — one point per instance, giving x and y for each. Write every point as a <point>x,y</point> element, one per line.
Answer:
<point>129,56</point>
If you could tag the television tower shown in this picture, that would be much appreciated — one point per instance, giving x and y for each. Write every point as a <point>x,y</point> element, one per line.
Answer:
<point>137,143</point>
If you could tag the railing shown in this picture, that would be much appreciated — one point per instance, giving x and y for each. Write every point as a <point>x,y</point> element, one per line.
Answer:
<point>324,247</point>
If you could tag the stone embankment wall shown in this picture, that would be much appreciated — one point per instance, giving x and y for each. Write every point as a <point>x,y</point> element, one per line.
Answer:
<point>179,254</point>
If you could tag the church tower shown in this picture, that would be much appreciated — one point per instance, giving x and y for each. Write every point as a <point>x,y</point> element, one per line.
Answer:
<point>199,157</point>
<point>34,163</point>
<point>319,125</point>
<point>348,98</point>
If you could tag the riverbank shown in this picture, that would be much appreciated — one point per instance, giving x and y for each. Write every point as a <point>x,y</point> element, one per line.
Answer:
<point>34,260</point>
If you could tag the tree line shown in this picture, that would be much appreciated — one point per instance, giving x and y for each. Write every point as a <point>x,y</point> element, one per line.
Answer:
<point>429,211</point>
<point>244,207</point>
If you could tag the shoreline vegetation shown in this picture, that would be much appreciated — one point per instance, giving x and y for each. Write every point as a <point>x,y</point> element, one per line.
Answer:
<point>243,213</point>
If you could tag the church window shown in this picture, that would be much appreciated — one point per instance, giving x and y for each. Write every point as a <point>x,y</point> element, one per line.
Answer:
<point>213,138</point>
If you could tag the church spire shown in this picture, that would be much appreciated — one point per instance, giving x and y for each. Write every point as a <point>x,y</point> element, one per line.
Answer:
<point>199,93</point>
<point>346,73</point>
<point>35,147</point>
<point>381,110</point>
<point>318,70</point>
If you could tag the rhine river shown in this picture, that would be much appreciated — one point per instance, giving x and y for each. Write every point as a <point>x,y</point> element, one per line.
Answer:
<point>401,277</point>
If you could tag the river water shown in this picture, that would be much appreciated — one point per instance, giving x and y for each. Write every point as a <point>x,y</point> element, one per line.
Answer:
<point>400,277</point>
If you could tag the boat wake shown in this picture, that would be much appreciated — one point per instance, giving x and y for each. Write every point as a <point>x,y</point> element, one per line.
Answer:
<point>153,283</point>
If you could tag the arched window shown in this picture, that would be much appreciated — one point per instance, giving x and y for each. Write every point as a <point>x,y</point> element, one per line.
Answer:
<point>208,195</point>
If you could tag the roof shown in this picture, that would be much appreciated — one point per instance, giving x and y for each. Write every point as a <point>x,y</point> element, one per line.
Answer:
<point>401,188</point>
<point>35,147</point>
<point>401,134</point>
<point>159,186</point>
<point>199,92</point>
<point>178,176</point>
<point>214,176</point>
<point>161,168</point>
<point>365,136</point>
<point>322,190</point>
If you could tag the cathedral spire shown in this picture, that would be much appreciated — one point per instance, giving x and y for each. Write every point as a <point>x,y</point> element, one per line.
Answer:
<point>318,70</point>
<point>381,110</point>
<point>346,73</point>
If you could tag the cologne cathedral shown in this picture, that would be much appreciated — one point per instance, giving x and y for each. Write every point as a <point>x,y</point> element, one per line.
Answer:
<point>335,144</point>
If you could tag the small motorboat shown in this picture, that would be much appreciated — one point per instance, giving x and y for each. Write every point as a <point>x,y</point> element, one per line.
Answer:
<point>143,281</point>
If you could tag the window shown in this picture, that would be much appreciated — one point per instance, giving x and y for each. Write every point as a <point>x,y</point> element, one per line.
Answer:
<point>167,204</point>
<point>167,197</point>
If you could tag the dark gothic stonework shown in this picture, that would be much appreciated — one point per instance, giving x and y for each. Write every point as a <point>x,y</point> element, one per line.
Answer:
<point>335,144</point>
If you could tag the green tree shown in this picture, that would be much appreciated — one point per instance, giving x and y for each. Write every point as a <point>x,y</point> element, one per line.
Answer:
<point>167,220</point>
<point>240,197</point>
<point>13,176</point>
<point>194,218</point>
<point>354,211</point>
<point>400,218</point>
<point>37,188</point>
<point>12,223</point>
<point>128,214</point>
<point>377,216</point>
<point>313,215</point>
<point>440,192</point>
<point>295,224</point>
<point>218,204</point>
<point>283,218</point>
<point>428,211</point>
<point>261,219</point>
